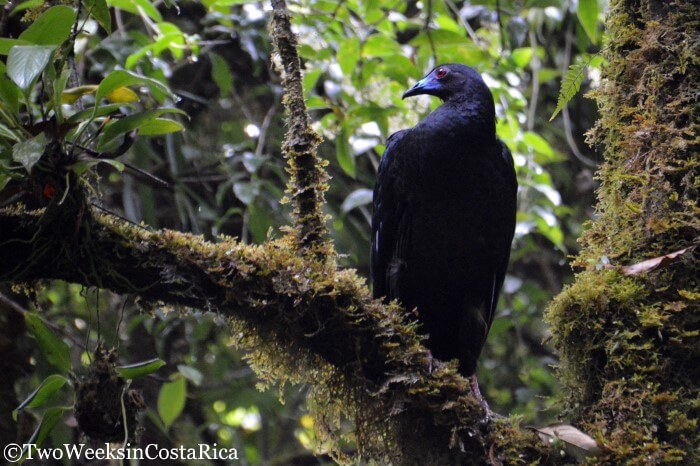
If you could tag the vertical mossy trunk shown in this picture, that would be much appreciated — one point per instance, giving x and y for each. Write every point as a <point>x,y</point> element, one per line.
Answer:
<point>308,179</point>
<point>628,339</point>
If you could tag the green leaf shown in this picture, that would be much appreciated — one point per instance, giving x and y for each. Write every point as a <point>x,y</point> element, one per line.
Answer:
<point>522,56</point>
<point>547,74</point>
<point>542,3</point>
<point>23,6</point>
<point>48,422</point>
<point>132,6</point>
<point>30,151</point>
<point>587,13</point>
<point>53,27</point>
<point>139,369</point>
<point>4,180</point>
<point>571,83</point>
<point>6,44</point>
<point>9,96</point>
<point>87,114</point>
<point>82,166</point>
<point>133,59</point>
<point>55,349</point>
<point>260,220</point>
<point>357,198</point>
<point>220,3</point>
<point>246,192</point>
<point>43,392</point>
<point>310,80</point>
<point>7,133</point>
<point>122,95</point>
<point>553,234</point>
<point>469,54</point>
<point>221,73</point>
<point>374,113</point>
<point>253,162</point>
<point>445,23</point>
<point>191,374</point>
<point>398,67</point>
<point>26,62</point>
<point>343,151</point>
<point>538,144</point>
<point>170,38</point>
<point>159,127</point>
<point>440,37</point>
<point>71,95</point>
<point>380,46</point>
<point>100,11</point>
<point>171,400</point>
<point>450,47</point>
<point>349,55</point>
<point>122,78</point>
<point>136,121</point>
<point>59,84</point>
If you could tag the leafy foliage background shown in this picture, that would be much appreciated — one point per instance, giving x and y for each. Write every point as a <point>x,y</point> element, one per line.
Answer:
<point>227,178</point>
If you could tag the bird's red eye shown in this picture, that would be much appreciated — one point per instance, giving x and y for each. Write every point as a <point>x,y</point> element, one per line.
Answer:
<point>441,73</point>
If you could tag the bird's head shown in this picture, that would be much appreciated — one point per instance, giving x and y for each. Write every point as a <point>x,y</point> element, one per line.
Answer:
<point>450,82</point>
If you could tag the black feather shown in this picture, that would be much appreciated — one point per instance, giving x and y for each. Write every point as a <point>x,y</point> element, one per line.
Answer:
<point>444,216</point>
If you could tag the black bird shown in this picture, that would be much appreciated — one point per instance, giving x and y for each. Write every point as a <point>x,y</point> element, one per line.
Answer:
<point>444,216</point>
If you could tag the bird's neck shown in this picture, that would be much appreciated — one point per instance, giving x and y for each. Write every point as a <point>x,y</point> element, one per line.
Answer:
<point>462,121</point>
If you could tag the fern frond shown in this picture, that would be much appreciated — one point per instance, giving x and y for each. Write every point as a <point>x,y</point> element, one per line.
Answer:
<point>571,83</point>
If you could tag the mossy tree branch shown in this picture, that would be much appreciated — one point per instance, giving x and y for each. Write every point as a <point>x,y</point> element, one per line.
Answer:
<point>301,319</point>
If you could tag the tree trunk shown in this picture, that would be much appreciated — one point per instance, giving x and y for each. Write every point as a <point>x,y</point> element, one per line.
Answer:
<point>628,336</point>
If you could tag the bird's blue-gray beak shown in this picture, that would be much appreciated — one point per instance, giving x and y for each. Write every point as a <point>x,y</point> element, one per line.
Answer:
<point>427,85</point>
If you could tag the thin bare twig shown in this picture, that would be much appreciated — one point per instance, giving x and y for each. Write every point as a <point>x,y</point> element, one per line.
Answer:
<point>264,127</point>
<point>535,69</point>
<point>500,25</point>
<point>465,24</point>
<point>426,27</point>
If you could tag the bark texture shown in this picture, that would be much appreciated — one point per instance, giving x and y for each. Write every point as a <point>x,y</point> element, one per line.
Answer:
<point>308,178</point>
<point>628,336</point>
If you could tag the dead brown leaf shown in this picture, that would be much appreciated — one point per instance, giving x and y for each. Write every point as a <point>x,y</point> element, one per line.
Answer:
<point>653,264</point>
<point>575,443</point>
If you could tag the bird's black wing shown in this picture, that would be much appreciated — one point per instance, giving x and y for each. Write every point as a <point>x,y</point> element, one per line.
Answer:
<point>511,182</point>
<point>390,224</point>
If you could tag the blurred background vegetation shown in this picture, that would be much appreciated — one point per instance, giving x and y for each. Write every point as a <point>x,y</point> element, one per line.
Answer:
<point>227,177</point>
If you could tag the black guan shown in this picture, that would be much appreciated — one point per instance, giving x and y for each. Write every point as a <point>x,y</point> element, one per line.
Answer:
<point>444,216</point>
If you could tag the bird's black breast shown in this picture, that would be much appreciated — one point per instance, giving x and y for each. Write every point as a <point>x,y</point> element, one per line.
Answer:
<point>442,227</point>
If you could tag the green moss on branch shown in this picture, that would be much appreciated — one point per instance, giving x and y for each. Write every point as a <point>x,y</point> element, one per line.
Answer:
<point>308,178</point>
<point>629,344</point>
<point>301,320</point>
